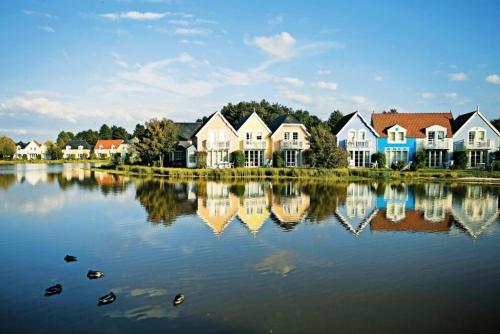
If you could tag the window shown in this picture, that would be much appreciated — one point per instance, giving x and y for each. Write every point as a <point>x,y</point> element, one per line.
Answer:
<point>249,136</point>
<point>392,136</point>
<point>259,135</point>
<point>472,136</point>
<point>394,154</point>
<point>295,136</point>
<point>192,158</point>
<point>362,135</point>
<point>401,136</point>
<point>352,135</point>
<point>287,135</point>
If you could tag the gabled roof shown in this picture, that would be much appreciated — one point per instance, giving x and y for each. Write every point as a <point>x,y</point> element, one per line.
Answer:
<point>22,145</point>
<point>74,144</point>
<point>187,130</point>
<point>414,123</point>
<point>462,120</point>
<point>342,123</point>
<point>246,118</point>
<point>283,119</point>
<point>210,118</point>
<point>414,221</point>
<point>107,143</point>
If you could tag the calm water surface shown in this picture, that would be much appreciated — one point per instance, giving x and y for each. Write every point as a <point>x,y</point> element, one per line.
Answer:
<point>253,257</point>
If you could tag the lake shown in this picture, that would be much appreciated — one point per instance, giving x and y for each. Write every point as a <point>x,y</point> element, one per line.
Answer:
<point>250,257</point>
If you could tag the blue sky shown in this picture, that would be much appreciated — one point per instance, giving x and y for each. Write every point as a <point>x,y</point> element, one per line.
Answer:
<point>74,65</point>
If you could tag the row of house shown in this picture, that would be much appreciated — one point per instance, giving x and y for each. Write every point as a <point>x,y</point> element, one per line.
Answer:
<point>400,135</point>
<point>74,149</point>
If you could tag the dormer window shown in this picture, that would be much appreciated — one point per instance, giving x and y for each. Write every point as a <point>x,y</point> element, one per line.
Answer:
<point>68,147</point>
<point>112,147</point>
<point>396,134</point>
<point>80,147</point>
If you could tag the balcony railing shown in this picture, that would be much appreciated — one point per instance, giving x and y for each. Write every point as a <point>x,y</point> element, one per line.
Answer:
<point>439,144</point>
<point>292,144</point>
<point>218,145</point>
<point>479,144</point>
<point>255,144</point>
<point>359,144</point>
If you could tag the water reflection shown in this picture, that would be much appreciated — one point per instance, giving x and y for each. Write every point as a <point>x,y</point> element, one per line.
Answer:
<point>383,207</point>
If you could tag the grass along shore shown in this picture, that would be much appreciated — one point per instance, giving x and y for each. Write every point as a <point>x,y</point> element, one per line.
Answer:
<point>471,175</point>
<point>50,162</point>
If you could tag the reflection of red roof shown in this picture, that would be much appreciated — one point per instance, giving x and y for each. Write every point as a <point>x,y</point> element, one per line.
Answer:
<point>107,143</point>
<point>414,123</point>
<point>413,222</point>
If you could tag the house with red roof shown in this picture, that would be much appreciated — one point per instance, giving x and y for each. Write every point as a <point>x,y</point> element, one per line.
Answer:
<point>401,135</point>
<point>107,148</point>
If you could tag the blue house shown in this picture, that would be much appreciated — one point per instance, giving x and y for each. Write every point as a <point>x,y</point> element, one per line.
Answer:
<point>475,135</point>
<point>356,136</point>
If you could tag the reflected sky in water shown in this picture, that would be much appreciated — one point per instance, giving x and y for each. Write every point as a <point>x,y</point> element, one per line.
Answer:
<point>251,257</point>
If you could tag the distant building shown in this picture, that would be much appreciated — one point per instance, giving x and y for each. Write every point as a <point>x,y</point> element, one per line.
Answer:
<point>77,149</point>
<point>108,148</point>
<point>31,150</point>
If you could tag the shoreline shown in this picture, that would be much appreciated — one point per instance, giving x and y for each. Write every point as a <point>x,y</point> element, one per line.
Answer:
<point>49,162</point>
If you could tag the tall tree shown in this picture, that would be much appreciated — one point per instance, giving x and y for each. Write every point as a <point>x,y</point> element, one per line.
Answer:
<point>53,150</point>
<point>7,147</point>
<point>90,136</point>
<point>159,140</point>
<point>64,137</point>
<point>105,132</point>
<point>334,118</point>
<point>324,151</point>
<point>119,132</point>
<point>139,131</point>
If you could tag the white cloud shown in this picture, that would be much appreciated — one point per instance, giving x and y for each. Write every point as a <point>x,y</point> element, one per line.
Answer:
<point>47,29</point>
<point>40,14</point>
<point>134,15</point>
<point>325,85</point>
<point>192,31</point>
<point>184,23</point>
<point>493,79</point>
<point>323,72</point>
<point>293,96</point>
<point>38,105</point>
<point>427,95</point>
<point>191,41</point>
<point>296,82</point>
<point>378,78</point>
<point>458,76</point>
<point>278,19</point>
<point>358,99</point>
<point>279,46</point>
<point>14,131</point>
<point>119,60</point>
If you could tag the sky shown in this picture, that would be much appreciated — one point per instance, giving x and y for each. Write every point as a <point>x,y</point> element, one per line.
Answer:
<point>75,65</point>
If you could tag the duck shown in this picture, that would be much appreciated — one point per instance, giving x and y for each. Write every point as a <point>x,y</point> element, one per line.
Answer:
<point>70,258</point>
<point>179,299</point>
<point>107,299</point>
<point>53,290</point>
<point>95,274</point>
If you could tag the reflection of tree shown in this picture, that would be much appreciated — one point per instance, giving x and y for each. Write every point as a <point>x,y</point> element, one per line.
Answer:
<point>164,201</point>
<point>6,180</point>
<point>324,199</point>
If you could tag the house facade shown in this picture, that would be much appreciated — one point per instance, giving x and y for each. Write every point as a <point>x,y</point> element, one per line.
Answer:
<point>290,137</point>
<point>30,150</point>
<point>108,148</point>
<point>184,154</point>
<point>255,141</point>
<point>355,135</point>
<point>77,149</point>
<point>476,136</point>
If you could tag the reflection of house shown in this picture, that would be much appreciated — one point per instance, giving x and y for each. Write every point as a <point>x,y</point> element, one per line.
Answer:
<point>218,207</point>
<point>435,202</point>
<point>105,179</point>
<point>254,208</point>
<point>476,210</point>
<point>395,201</point>
<point>413,221</point>
<point>360,207</point>
<point>77,149</point>
<point>290,206</point>
<point>108,148</point>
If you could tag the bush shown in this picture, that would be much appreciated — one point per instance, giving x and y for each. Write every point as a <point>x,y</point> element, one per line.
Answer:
<point>85,156</point>
<point>38,157</point>
<point>201,159</point>
<point>238,158</point>
<point>278,159</point>
<point>379,158</point>
<point>420,161</point>
<point>93,156</point>
<point>397,165</point>
<point>25,157</point>
<point>460,159</point>
<point>73,157</point>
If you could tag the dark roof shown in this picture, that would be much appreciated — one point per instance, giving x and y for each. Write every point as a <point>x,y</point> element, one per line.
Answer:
<point>73,144</point>
<point>187,130</point>
<point>342,122</point>
<point>241,122</point>
<point>22,145</point>
<point>414,123</point>
<point>283,119</point>
<point>460,120</point>
<point>203,123</point>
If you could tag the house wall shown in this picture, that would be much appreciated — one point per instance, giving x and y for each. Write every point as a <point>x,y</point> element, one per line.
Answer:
<point>475,121</point>
<point>382,144</point>
<point>254,125</point>
<point>279,135</point>
<point>356,124</point>
<point>218,125</point>
<point>69,153</point>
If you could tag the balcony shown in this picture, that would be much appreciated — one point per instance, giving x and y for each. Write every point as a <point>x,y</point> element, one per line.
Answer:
<point>254,144</point>
<point>218,145</point>
<point>486,144</point>
<point>358,144</point>
<point>438,144</point>
<point>291,145</point>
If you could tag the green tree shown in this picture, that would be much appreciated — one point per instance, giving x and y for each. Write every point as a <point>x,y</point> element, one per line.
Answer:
<point>238,158</point>
<point>7,148</point>
<point>159,140</point>
<point>118,132</point>
<point>105,132</point>
<point>420,160</point>
<point>278,159</point>
<point>324,151</point>
<point>334,118</point>
<point>90,136</point>
<point>201,159</point>
<point>379,158</point>
<point>64,137</point>
<point>54,151</point>
<point>496,123</point>
<point>139,131</point>
<point>460,159</point>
